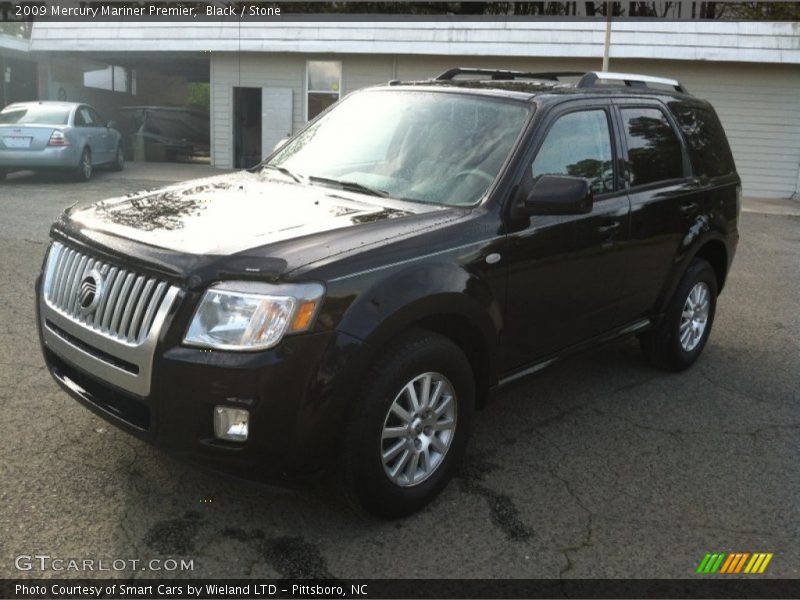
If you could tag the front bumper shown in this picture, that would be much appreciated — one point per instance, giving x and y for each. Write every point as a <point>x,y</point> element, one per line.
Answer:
<point>64,157</point>
<point>297,394</point>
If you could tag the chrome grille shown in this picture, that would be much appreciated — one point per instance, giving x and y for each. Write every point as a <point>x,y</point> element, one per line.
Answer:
<point>128,304</point>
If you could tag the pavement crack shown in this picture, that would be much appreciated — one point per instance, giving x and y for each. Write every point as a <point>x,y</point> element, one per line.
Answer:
<point>749,395</point>
<point>503,510</point>
<point>568,550</point>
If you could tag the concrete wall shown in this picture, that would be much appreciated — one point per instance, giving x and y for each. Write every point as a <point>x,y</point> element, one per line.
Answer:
<point>758,104</point>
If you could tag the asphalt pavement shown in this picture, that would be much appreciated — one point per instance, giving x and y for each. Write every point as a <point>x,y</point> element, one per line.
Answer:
<point>597,467</point>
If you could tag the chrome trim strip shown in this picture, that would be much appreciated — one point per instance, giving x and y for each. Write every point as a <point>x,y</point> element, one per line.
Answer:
<point>528,371</point>
<point>612,76</point>
<point>636,326</point>
<point>142,316</point>
<point>139,354</point>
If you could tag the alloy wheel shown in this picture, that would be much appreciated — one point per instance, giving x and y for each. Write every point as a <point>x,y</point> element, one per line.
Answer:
<point>86,165</point>
<point>418,429</point>
<point>694,316</point>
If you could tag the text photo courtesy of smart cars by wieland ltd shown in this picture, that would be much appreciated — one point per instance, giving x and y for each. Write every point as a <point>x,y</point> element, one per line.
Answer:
<point>399,299</point>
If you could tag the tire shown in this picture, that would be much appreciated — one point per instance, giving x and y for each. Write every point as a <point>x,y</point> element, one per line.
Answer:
<point>84,170</point>
<point>412,359</point>
<point>3,174</point>
<point>119,159</point>
<point>677,341</point>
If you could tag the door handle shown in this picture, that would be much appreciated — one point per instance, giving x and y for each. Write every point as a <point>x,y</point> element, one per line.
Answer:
<point>688,207</point>
<point>609,227</point>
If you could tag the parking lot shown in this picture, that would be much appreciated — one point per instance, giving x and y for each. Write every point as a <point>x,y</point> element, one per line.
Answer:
<point>597,467</point>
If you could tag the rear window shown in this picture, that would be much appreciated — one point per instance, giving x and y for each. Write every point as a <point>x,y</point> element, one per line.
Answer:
<point>708,147</point>
<point>37,114</point>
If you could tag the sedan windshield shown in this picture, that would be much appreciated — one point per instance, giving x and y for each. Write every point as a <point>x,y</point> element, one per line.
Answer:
<point>441,148</point>
<point>35,114</point>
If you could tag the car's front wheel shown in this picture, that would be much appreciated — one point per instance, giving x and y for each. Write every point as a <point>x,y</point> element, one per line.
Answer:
<point>676,343</point>
<point>119,159</point>
<point>84,170</point>
<point>409,428</point>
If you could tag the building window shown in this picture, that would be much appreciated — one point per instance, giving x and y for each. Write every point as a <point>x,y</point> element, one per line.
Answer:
<point>323,85</point>
<point>111,77</point>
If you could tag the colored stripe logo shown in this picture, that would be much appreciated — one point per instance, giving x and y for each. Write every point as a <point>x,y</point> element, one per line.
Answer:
<point>734,562</point>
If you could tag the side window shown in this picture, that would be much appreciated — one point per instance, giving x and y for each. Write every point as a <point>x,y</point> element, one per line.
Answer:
<point>654,150</point>
<point>578,144</point>
<point>97,120</point>
<point>83,118</point>
<point>80,119</point>
<point>708,146</point>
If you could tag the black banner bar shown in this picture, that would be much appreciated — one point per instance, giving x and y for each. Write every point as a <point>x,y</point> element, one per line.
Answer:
<point>383,10</point>
<point>256,589</point>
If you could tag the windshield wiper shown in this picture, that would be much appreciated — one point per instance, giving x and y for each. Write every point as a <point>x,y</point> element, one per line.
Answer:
<point>284,171</point>
<point>350,186</point>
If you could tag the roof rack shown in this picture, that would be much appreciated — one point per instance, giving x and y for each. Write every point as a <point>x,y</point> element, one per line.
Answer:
<point>591,79</point>
<point>501,75</point>
<point>587,79</point>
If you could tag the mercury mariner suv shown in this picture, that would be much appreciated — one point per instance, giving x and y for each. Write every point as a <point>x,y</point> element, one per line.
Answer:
<point>352,300</point>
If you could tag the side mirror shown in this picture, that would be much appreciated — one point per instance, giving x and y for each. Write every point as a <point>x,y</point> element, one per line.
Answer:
<point>111,124</point>
<point>559,195</point>
<point>280,144</point>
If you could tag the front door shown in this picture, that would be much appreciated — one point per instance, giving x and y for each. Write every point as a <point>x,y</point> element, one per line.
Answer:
<point>566,272</point>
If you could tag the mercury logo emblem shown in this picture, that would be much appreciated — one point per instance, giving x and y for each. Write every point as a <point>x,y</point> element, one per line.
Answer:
<point>90,292</point>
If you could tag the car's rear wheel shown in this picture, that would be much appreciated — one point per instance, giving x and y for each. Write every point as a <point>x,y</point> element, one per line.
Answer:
<point>409,428</point>
<point>119,159</point>
<point>84,170</point>
<point>676,343</point>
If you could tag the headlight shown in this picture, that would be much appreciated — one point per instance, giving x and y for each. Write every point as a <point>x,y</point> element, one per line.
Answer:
<point>243,315</point>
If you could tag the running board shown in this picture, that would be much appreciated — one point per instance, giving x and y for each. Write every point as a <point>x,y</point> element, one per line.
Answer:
<point>535,368</point>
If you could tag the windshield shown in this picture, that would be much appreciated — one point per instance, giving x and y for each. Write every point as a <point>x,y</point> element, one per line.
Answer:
<point>432,147</point>
<point>38,114</point>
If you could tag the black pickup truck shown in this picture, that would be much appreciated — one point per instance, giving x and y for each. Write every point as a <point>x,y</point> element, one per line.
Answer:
<point>351,301</point>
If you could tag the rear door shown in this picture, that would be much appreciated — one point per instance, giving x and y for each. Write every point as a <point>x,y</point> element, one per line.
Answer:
<point>566,273</point>
<point>91,134</point>
<point>665,200</point>
<point>106,136</point>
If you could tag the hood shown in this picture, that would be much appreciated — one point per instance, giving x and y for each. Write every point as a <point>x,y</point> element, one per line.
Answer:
<point>254,215</point>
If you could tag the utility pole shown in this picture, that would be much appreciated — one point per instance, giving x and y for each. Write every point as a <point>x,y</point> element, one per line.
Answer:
<point>609,10</point>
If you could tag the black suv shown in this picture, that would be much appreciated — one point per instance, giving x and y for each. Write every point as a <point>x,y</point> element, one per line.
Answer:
<point>350,302</point>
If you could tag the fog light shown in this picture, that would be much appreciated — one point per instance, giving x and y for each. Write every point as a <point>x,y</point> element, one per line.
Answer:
<point>231,423</point>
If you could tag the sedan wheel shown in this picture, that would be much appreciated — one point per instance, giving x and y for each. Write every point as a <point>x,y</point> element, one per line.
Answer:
<point>119,160</point>
<point>84,170</point>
